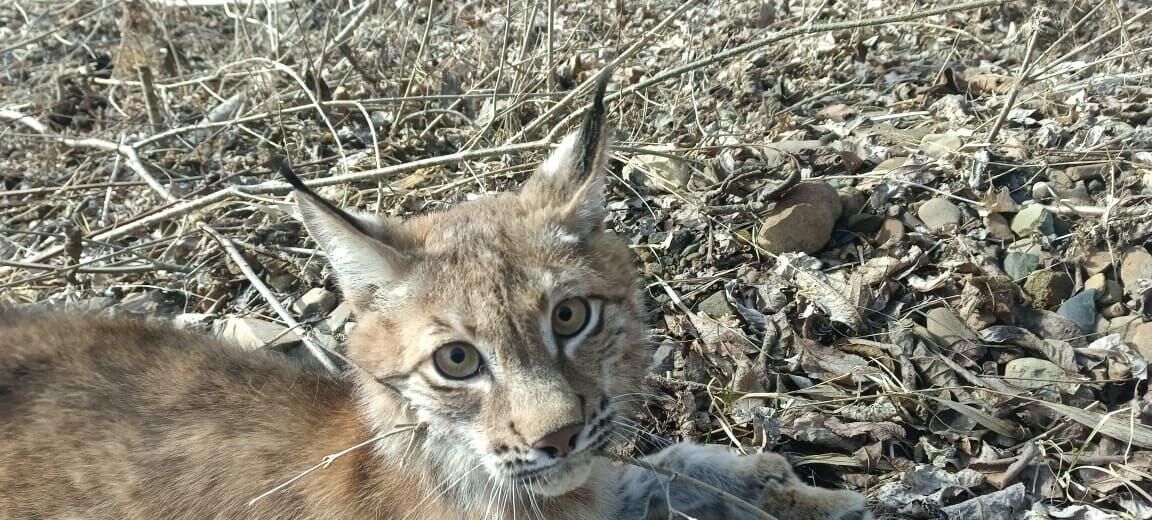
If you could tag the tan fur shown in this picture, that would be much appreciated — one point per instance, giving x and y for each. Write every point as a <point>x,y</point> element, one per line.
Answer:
<point>109,419</point>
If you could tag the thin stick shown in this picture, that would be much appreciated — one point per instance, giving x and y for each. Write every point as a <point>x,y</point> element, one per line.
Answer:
<point>329,459</point>
<point>184,208</point>
<point>583,88</point>
<point>1021,79</point>
<point>127,151</point>
<point>318,352</point>
<point>764,42</point>
<point>704,486</point>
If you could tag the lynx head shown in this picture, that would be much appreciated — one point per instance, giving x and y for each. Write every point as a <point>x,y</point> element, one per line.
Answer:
<point>509,324</point>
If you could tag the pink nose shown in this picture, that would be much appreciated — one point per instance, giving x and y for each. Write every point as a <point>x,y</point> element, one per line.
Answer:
<point>560,442</point>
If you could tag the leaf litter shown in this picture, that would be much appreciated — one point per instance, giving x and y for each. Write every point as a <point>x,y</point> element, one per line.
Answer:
<point>965,336</point>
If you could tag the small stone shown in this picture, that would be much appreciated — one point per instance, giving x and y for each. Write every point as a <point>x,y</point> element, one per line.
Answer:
<point>801,221</point>
<point>1115,310</point>
<point>1033,373</point>
<point>1124,325</point>
<point>852,200</point>
<point>1042,192</point>
<point>194,321</point>
<point>1135,266</point>
<point>998,226</point>
<point>316,300</point>
<point>1142,339</point>
<point>253,334</point>
<point>1061,180</point>
<point>1108,291</point>
<point>339,316</point>
<point>891,230</point>
<point>1032,219</point>
<point>1048,288</point>
<point>939,146</point>
<point>940,215</point>
<point>663,358</point>
<point>1088,171</point>
<point>1028,245</point>
<point>1081,310</point>
<point>1049,325</point>
<point>716,304</point>
<point>283,282</point>
<point>1019,265</point>
<point>1097,262</point>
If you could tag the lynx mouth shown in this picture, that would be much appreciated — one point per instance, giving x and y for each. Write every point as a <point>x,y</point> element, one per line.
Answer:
<point>565,474</point>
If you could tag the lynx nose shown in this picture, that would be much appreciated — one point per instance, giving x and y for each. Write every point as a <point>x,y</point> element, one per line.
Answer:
<point>560,442</point>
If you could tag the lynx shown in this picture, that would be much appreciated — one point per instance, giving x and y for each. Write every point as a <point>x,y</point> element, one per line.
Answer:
<point>497,344</point>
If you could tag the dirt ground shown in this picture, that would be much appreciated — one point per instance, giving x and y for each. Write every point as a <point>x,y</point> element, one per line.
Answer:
<point>948,314</point>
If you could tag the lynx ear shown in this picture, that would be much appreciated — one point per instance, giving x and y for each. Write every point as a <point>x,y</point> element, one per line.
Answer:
<point>357,245</point>
<point>571,180</point>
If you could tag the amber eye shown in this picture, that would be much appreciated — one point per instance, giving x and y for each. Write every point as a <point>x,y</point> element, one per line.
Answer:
<point>570,316</point>
<point>457,360</point>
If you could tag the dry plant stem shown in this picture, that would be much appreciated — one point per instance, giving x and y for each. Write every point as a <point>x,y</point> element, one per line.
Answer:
<point>329,459</point>
<point>1106,34</point>
<point>763,42</point>
<point>719,493</point>
<point>583,88</point>
<point>316,350</point>
<point>184,208</point>
<point>151,100</point>
<point>127,151</point>
<point>1021,79</point>
<point>1013,472</point>
<point>346,32</point>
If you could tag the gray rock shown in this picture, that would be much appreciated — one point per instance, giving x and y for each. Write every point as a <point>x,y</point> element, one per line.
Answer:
<point>890,229</point>
<point>1108,291</point>
<point>1033,373</point>
<point>253,334</point>
<point>1049,325</point>
<point>663,358</point>
<point>194,321</point>
<point>1019,265</point>
<point>801,221</point>
<point>316,300</point>
<point>1097,262</point>
<point>998,226</point>
<point>1141,337</point>
<point>716,304</point>
<point>339,316</point>
<point>1081,310</point>
<point>1032,219</point>
<point>1136,265</point>
<point>940,215</point>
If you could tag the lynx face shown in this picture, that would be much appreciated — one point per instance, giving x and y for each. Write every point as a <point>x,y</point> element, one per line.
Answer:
<point>507,325</point>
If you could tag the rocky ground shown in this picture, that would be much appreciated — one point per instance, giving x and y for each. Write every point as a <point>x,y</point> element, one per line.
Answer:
<point>949,312</point>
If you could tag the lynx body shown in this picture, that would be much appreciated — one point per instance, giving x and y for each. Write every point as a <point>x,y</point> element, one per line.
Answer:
<point>494,346</point>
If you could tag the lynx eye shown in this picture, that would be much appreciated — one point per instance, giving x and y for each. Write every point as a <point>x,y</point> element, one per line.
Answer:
<point>570,316</point>
<point>457,360</point>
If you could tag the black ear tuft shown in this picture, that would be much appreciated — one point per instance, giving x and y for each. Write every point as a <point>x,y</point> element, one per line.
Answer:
<point>281,166</point>
<point>593,126</point>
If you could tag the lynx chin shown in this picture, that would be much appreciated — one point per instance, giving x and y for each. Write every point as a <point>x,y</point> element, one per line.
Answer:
<point>494,348</point>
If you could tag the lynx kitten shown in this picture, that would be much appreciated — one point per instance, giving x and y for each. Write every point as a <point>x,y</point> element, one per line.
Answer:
<point>507,331</point>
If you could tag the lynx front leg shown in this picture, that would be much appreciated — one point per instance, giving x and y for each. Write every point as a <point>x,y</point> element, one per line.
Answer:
<point>764,479</point>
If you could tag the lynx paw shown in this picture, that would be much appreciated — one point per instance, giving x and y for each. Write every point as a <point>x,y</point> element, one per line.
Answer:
<point>764,479</point>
